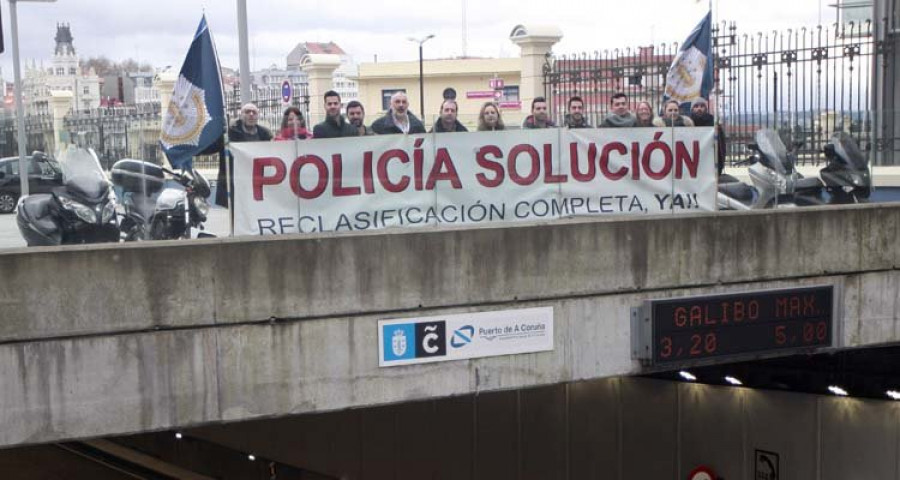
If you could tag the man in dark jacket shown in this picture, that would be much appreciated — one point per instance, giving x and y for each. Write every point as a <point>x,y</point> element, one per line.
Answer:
<point>448,121</point>
<point>702,118</point>
<point>540,115</point>
<point>356,115</point>
<point>335,125</point>
<point>620,116</point>
<point>398,119</point>
<point>244,129</point>
<point>247,128</point>
<point>575,117</point>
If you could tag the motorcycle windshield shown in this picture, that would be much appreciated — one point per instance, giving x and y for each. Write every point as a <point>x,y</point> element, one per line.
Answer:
<point>773,148</point>
<point>848,152</point>
<point>201,184</point>
<point>82,174</point>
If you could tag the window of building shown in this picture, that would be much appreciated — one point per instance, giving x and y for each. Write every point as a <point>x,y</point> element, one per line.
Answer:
<point>386,97</point>
<point>87,90</point>
<point>510,93</point>
<point>72,70</point>
<point>60,71</point>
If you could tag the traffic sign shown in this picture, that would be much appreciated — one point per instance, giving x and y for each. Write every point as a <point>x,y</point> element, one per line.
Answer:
<point>287,91</point>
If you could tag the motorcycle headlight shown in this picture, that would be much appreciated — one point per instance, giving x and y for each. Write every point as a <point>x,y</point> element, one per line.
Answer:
<point>109,211</point>
<point>201,205</point>
<point>82,211</point>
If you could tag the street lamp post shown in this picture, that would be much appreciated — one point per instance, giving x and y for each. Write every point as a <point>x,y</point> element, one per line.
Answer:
<point>420,41</point>
<point>20,114</point>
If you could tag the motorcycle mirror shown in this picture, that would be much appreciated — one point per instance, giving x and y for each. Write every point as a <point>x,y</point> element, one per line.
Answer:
<point>828,150</point>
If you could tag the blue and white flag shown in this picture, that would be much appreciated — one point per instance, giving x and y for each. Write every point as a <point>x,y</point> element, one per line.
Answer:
<point>195,116</point>
<point>691,74</point>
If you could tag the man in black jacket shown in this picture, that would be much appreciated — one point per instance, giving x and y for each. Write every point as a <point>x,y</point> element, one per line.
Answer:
<point>356,115</point>
<point>244,129</point>
<point>398,119</point>
<point>702,118</point>
<point>247,128</point>
<point>575,117</point>
<point>335,125</point>
<point>448,121</point>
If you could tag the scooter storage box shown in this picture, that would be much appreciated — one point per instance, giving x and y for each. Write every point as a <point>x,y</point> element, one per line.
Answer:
<point>138,176</point>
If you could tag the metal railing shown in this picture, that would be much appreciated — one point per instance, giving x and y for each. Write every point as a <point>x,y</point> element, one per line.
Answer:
<point>807,83</point>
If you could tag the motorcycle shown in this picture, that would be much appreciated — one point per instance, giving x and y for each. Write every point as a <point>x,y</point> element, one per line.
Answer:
<point>776,182</point>
<point>154,209</point>
<point>80,211</point>
<point>846,174</point>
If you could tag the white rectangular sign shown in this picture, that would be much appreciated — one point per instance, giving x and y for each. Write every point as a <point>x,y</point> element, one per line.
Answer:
<point>365,183</point>
<point>466,335</point>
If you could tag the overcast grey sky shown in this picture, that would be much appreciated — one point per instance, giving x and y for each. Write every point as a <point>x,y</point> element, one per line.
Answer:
<point>159,31</point>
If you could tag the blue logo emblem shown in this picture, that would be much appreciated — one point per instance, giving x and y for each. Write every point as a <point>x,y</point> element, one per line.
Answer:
<point>398,341</point>
<point>462,336</point>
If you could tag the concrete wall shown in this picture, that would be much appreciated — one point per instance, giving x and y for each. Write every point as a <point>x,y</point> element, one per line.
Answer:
<point>103,340</point>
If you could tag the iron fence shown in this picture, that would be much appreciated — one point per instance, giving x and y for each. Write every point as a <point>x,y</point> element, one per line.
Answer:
<point>133,131</point>
<point>38,128</point>
<point>270,104</point>
<point>807,83</point>
<point>117,132</point>
<point>640,73</point>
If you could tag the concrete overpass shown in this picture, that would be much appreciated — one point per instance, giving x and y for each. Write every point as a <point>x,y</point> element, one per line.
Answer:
<point>108,340</point>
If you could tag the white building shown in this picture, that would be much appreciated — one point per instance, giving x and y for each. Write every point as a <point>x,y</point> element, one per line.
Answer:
<point>344,85</point>
<point>63,74</point>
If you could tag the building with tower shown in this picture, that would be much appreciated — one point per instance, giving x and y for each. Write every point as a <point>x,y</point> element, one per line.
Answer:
<point>63,74</point>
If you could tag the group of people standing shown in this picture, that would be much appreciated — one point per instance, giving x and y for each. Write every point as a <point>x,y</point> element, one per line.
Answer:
<point>643,116</point>
<point>398,119</point>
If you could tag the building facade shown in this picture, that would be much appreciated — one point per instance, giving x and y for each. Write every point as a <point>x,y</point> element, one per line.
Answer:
<point>63,74</point>
<point>473,79</point>
<point>344,77</point>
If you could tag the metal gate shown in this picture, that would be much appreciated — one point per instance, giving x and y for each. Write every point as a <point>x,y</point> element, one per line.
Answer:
<point>807,83</point>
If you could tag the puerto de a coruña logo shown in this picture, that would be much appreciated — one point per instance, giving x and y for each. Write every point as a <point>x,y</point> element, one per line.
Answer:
<point>462,336</point>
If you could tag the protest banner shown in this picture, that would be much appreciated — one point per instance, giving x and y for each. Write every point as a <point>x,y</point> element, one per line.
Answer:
<point>366,183</point>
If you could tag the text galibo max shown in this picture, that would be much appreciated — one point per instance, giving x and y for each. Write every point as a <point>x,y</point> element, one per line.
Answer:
<point>737,311</point>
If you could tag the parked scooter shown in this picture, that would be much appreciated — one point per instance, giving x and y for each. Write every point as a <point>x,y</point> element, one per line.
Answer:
<point>80,211</point>
<point>154,209</point>
<point>776,182</point>
<point>846,175</point>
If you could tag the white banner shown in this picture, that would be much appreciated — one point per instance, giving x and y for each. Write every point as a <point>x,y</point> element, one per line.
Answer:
<point>364,183</point>
<point>467,335</point>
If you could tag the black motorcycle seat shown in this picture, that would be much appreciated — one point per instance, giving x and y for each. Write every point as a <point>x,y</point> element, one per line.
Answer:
<point>807,183</point>
<point>737,190</point>
<point>36,208</point>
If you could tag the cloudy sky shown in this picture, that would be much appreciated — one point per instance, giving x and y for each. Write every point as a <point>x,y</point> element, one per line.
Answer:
<point>159,31</point>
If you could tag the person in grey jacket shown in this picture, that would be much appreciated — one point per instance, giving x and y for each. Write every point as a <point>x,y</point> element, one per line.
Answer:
<point>620,115</point>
